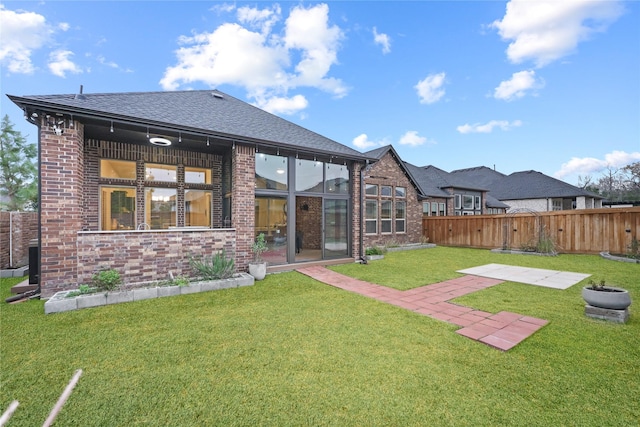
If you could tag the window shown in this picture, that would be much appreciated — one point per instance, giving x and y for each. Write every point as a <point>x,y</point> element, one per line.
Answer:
<point>118,169</point>
<point>457,201</point>
<point>160,173</point>
<point>478,205</point>
<point>336,178</point>
<point>271,172</point>
<point>160,207</point>
<point>401,216</point>
<point>442,209</point>
<point>371,190</point>
<point>434,209</point>
<point>197,175</point>
<point>197,208</point>
<point>371,217</point>
<point>467,202</point>
<point>401,192</point>
<point>309,176</point>
<point>556,204</point>
<point>117,208</point>
<point>425,208</point>
<point>385,190</point>
<point>385,216</point>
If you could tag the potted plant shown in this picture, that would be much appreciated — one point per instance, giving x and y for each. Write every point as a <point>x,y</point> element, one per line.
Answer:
<point>258,268</point>
<point>603,296</point>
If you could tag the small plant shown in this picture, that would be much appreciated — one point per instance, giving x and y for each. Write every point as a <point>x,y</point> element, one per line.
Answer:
<point>82,290</point>
<point>181,281</point>
<point>546,244</point>
<point>599,286</point>
<point>424,240</point>
<point>634,249</point>
<point>375,250</point>
<point>215,267</point>
<point>258,247</point>
<point>106,280</point>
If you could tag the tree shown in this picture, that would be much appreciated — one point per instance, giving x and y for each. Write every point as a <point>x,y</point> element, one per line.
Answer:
<point>18,170</point>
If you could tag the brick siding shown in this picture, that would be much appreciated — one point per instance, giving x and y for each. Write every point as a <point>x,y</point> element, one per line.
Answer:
<point>388,172</point>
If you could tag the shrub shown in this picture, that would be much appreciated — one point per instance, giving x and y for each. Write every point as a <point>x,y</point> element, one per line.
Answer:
<point>106,280</point>
<point>375,250</point>
<point>258,247</point>
<point>215,267</point>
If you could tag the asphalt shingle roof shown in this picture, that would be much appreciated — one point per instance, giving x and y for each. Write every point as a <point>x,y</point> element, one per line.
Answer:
<point>207,111</point>
<point>534,185</point>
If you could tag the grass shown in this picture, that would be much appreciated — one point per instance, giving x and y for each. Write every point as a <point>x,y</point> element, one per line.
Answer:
<point>292,351</point>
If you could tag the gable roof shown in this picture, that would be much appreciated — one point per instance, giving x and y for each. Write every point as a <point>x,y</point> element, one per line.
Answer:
<point>208,112</point>
<point>480,175</point>
<point>379,153</point>
<point>428,181</point>
<point>535,185</point>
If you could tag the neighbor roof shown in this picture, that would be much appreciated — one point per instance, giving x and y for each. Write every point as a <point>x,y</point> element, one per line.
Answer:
<point>206,111</point>
<point>534,185</point>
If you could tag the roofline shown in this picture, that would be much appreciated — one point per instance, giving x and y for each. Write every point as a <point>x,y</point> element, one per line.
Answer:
<point>24,103</point>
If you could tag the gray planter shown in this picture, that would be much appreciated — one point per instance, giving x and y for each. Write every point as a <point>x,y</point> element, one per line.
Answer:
<point>610,297</point>
<point>258,270</point>
<point>373,257</point>
<point>59,301</point>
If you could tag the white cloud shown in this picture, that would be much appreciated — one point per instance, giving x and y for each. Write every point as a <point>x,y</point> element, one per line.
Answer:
<point>412,138</point>
<point>430,88</point>
<point>489,126</point>
<point>383,40</point>
<point>60,64</point>
<point>544,31</point>
<point>264,19</point>
<point>20,34</point>
<point>517,87</point>
<point>261,61</point>
<point>362,141</point>
<point>281,105</point>
<point>588,165</point>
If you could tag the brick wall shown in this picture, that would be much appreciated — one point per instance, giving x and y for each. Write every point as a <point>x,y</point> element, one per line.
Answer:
<point>141,256</point>
<point>356,206</point>
<point>388,172</point>
<point>61,204</point>
<point>17,229</point>
<point>243,203</point>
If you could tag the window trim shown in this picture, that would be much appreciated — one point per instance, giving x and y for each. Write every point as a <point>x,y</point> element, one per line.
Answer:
<point>369,220</point>
<point>403,219</point>
<point>388,220</point>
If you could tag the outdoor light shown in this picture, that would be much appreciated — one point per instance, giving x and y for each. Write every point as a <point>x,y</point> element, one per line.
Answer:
<point>160,141</point>
<point>179,136</point>
<point>111,129</point>
<point>208,141</point>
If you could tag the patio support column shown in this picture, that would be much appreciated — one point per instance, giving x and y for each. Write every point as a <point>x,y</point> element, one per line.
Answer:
<point>61,205</point>
<point>356,220</point>
<point>243,203</point>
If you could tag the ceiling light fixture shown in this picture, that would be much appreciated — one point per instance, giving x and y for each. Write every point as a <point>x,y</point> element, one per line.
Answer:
<point>147,132</point>
<point>208,143</point>
<point>163,142</point>
<point>180,137</point>
<point>111,129</point>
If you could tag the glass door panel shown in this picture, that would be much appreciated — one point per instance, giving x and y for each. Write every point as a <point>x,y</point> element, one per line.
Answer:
<point>336,230</point>
<point>271,220</point>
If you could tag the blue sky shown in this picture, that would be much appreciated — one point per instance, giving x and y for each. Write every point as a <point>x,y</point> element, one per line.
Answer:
<point>519,85</point>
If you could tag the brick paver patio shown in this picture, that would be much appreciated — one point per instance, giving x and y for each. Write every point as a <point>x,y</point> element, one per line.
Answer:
<point>503,330</point>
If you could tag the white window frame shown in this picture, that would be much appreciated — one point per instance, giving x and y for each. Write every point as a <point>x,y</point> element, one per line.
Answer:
<point>457,198</point>
<point>402,219</point>
<point>369,220</point>
<point>384,221</point>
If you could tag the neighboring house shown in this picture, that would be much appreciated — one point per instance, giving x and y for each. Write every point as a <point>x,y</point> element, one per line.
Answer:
<point>531,190</point>
<point>392,207</point>
<point>141,182</point>
<point>446,194</point>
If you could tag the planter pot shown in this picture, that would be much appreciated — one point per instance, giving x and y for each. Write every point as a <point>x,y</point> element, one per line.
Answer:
<point>373,257</point>
<point>610,297</point>
<point>258,270</point>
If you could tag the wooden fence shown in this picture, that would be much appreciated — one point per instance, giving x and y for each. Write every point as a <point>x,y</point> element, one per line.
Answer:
<point>577,231</point>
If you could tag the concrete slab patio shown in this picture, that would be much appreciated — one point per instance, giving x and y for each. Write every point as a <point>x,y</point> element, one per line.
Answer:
<point>531,276</point>
<point>503,330</point>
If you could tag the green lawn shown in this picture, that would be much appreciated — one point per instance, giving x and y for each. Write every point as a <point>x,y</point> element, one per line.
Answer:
<point>292,351</point>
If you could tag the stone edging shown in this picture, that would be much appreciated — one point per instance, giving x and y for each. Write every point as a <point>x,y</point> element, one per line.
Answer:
<point>411,247</point>
<point>15,272</point>
<point>607,255</point>
<point>59,303</point>
<point>518,252</point>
